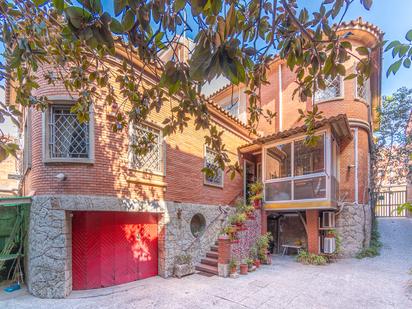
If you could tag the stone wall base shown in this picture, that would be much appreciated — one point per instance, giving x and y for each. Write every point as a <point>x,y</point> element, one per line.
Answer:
<point>50,246</point>
<point>354,225</point>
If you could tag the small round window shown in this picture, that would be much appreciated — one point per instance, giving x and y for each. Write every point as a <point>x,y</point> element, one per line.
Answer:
<point>197,225</point>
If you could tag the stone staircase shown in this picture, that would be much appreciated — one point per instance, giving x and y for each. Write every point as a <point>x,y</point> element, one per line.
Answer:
<point>208,264</point>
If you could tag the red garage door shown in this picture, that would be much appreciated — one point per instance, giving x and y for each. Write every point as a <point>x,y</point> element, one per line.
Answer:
<point>111,248</point>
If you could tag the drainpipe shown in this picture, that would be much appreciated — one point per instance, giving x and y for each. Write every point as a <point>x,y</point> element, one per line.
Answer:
<point>356,166</point>
<point>280,98</point>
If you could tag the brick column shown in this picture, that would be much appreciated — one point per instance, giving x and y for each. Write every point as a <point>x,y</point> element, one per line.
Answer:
<point>312,230</point>
<point>224,255</point>
<point>264,221</point>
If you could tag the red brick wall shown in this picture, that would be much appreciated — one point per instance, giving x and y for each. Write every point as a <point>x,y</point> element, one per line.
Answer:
<point>110,175</point>
<point>312,216</point>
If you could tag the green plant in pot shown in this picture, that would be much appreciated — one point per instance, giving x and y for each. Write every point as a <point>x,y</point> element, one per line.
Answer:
<point>250,212</point>
<point>238,219</point>
<point>256,191</point>
<point>233,266</point>
<point>249,263</point>
<point>230,231</point>
<point>243,268</point>
<point>254,256</point>
<point>262,245</point>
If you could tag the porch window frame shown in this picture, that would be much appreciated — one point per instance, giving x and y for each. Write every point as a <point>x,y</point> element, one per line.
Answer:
<point>326,173</point>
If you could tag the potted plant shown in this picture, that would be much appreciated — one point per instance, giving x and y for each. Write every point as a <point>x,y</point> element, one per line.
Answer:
<point>250,212</point>
<point>230,231</point>
<point>238,219</point>
<point>183,266</point>
<point>232,266</point>
<point>262,245</point>
<point>243,268</point>
<point>249,263</point>
<point>254,256</point>
<point>330,234</point>
<point>256,190</point>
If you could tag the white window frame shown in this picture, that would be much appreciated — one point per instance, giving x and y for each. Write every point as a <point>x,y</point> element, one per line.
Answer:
<point>27,140</point>
<point>326,173</point>
<point>205,181</point>
<point>46,117</point>
<point>162,150</point>
<point>366,84</point>
<point>342,93</point>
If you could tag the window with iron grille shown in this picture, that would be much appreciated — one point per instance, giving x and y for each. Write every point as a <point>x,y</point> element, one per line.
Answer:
<point>332,90</point>
<point>217,178</point>
<point>68,137</point>
<point>151,158</point>
<point>361,90</point>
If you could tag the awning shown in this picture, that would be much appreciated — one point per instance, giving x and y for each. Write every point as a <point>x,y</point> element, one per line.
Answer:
<point>339,125</point>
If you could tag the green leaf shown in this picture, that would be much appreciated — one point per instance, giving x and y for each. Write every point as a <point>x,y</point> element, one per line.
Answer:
<point>367,4</point>
<point>350,76</point>
<point>407,63</point>
<point>59,5</point>
<point>179,4</point>
<point>116,26</point>
<point>39,2</point>
<point>363,51</point>
<point>128,20</point>
<point>119,6</point>
<point>408,35</point>
<point>394,68</point>
<point>392,45</point>
<point>77,16</point>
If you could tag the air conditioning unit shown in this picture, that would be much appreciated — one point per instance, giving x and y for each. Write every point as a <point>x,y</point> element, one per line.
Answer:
<point>329,245</point>
<point>328,220</point>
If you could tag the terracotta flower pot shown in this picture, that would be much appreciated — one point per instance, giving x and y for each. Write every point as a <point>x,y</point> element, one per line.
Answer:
<point>257,263</point>
<point>243,269</point>
<point>233,270</point>
<point>256,204</point>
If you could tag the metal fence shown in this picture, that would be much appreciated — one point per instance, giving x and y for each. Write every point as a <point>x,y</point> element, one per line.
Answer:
<point>387,202</point>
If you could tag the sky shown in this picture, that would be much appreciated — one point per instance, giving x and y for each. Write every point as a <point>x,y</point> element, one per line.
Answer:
<point>391,16</point>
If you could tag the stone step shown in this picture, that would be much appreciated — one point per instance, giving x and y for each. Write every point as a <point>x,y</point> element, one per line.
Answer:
<point>209,261</point>
<point>207,269</point>
<point>214,248</point>
<point>212,255</point>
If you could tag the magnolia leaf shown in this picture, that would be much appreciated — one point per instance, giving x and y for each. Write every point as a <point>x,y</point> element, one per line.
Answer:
<point>119,6</point>
<point>128,20</point>
<point>39,2</point>
<point>59,5</point>
<point>408,35</point>
<point>77,16</point>
<point>116,26</point>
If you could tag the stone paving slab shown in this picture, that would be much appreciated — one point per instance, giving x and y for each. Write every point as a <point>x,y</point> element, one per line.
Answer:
<point>381,282</point>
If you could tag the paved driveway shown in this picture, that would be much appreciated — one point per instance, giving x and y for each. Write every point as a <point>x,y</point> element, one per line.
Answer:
<point>381,282</point>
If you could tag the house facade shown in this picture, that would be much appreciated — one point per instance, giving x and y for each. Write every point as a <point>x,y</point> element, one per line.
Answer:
<point>308,190</point>
<point>102,215</point>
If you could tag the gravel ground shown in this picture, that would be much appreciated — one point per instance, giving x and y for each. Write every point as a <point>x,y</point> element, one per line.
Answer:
<point>380,282</point>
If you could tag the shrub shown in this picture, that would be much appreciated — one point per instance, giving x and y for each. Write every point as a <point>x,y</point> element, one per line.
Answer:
<point>262,245</point>
<point>307,258</point>
<point>237,218</point>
